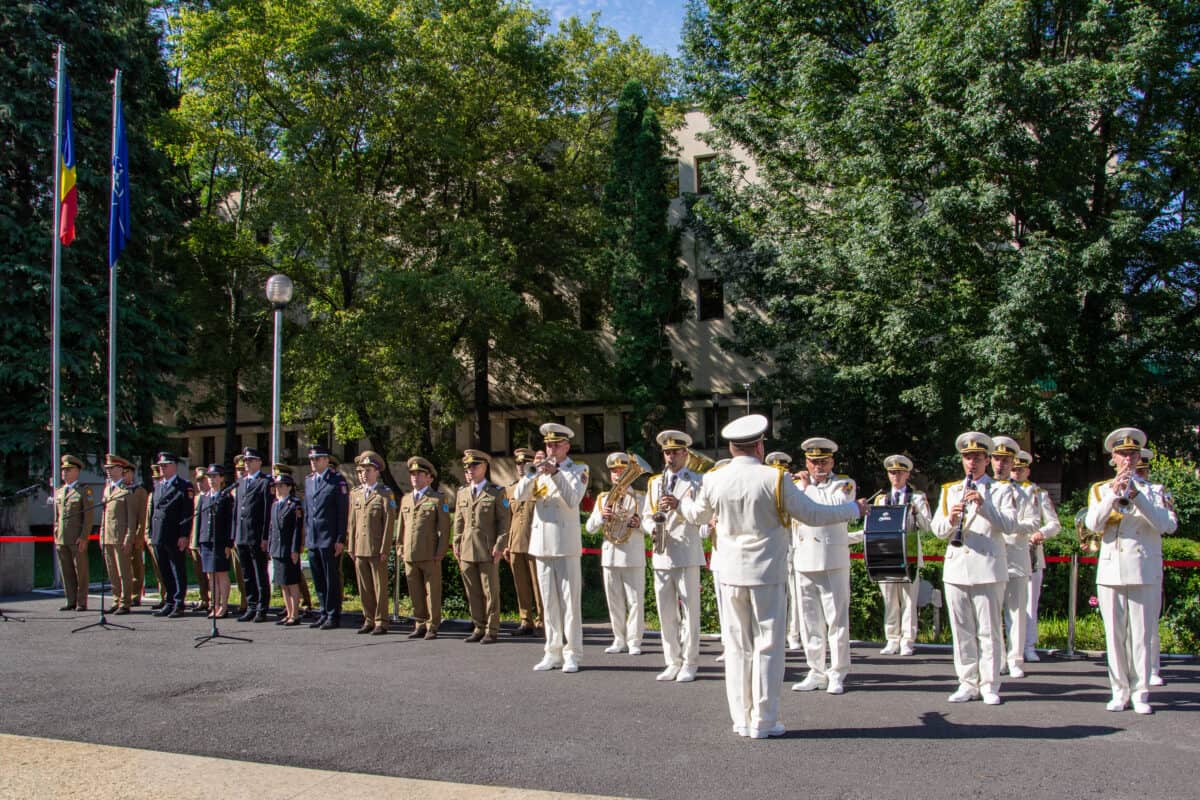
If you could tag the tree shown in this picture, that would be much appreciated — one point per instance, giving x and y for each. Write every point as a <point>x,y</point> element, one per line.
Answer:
<point>641,257</point>
<point>967,215</point>
<point>99,37</point>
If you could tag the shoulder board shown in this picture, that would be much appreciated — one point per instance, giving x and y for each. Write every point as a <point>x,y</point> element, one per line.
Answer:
<point>600,498</point>
<point>1096,488</point>
<point>950,483</point>
<point>1002,482</point>
<point>385,490</point>
<point>842,477</point>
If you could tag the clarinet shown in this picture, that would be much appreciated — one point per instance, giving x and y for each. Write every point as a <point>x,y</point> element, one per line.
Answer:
<point>957,539</point>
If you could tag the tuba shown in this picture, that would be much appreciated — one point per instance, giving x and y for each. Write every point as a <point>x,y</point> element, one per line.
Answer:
<point>698,462</point>
<point>1089,540</point>
<point>623,507</point>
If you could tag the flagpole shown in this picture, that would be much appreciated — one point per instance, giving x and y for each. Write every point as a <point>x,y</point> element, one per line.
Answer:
<point>112,286</point>
<point>56,285</point>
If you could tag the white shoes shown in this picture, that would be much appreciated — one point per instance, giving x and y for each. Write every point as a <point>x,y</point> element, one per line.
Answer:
<point>963,694</point>
<point>570,664</point>
<point>1156,680</point>
<point>668,674</point>
<point>547,663</point>
<point>634,650</point>
<point>835,686</point>
<point>891,649</point>
<point>776,730</point>
<point>1031,655</point>
<point>1115,705</point>
<point>741,730</point>
<point>1016,672</point>
<point>991,699</point>
<point>793,644</point>
<point>811,682</point>
<point>1141,707</point>
<point>613,648</point>
<point>687,674</point>
<point>720,659</point>
<point>906,650</point>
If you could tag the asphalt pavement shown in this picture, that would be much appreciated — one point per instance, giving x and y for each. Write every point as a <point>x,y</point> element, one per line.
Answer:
<point>448,711</point>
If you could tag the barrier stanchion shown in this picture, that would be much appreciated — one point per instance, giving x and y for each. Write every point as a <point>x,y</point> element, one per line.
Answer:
<point>1072,609</point>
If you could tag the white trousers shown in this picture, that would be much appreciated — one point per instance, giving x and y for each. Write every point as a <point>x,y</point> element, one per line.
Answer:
<point>793,606</point>
<point>1155,644</point>
<point>678,589</point>
<point>978,636</point>
<point>900,612</point>
<point>1128,619</point>
<point>825,619</point>
<point>753,625</point>
<point>625,590</point>
<point>719,591</point>
<point>1031,613</point>
<point>561,583</point>
<point>1016,617</point>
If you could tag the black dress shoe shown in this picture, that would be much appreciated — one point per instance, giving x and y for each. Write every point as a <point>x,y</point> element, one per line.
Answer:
<point>67,608</point>
<point>137,601</point>
<point>291,622</point>
<point>165,611</point>
<point>176,613</point>
<point>474,637</point>
<point>523,630</point>
<point>418,633</point>
<point>114,609</point>
<point>159,605</point>
<point>121,610</point>
<point>379,631</point>
<point>246,616</point>
<point>331,624</point>
<point>283,621</point>
<point>261,616</point>
<point>319,622</point>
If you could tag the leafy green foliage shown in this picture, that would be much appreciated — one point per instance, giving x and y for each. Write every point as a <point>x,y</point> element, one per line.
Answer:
<point>1179,477</point>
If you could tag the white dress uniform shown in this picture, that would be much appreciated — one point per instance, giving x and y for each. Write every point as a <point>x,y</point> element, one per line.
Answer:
<point>781,460</point>
<point>753,504</point>
<point>624,567</point>
<point>900,613</point>
<point>1048,526</point>
<point>821,571</point>
<point>1156,646</point>
<point>1129,577</point>
<point>555,540</point>
<point>974,576</point>
<point>677,573</point>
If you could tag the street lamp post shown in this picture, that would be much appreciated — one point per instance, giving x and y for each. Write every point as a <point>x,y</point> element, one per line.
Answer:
<point>279,293</point>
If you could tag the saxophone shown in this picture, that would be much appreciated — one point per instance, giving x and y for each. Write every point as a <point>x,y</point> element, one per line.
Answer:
<point>616,527</point>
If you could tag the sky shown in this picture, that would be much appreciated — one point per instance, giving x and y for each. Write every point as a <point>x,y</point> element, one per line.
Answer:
<point>656,22</point>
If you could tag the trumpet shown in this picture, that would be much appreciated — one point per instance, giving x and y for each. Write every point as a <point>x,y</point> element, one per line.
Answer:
<point>536,466</point>
<point>957,539</point>
<point>1124,498</point>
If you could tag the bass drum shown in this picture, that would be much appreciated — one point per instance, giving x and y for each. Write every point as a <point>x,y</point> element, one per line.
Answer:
<point>889,548</point>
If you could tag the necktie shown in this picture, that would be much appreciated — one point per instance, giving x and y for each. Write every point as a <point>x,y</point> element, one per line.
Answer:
<point>671,484</point>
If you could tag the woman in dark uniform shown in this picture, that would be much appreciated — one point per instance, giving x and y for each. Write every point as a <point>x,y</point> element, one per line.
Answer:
<point>214,533</point>
<point>284,546</point>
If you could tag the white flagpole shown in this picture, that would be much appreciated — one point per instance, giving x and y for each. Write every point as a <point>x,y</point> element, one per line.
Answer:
<point>112,288</point>
<point>56,288</point>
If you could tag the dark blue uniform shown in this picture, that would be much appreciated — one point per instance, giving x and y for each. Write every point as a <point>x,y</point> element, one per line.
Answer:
<point>326,510</point>
<point>287,537</point>
<point>253,520</point>
<point>215,531</point>
<point>171,519</point>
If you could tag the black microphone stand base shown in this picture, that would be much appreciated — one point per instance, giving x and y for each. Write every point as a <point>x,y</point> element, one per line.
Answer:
<point>216,634</point>
<point>103,623</point>
<point>6,618</point>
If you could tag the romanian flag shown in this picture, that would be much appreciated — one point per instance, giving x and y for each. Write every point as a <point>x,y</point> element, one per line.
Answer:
<point>68,195</point>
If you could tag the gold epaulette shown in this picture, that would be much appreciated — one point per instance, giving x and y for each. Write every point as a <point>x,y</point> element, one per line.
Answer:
<point>784,518</point>
<point>945,494</point>
<point>1096,489</point>
<point>650,491</point>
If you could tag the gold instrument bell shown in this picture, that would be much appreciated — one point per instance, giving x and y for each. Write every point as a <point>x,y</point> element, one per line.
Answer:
<point>1089,540</point>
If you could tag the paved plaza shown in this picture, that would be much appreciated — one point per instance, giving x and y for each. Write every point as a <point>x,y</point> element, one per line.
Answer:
<point>478,715</point>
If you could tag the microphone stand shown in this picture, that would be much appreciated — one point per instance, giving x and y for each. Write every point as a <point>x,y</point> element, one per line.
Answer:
<point>103,622</point>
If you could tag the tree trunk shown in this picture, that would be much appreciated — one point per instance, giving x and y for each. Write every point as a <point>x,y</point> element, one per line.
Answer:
<point>482,437</point>
<point>231,414</point>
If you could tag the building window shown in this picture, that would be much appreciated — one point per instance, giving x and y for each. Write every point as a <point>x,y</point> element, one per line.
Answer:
<point>593,433</point>
<point>263,444</point>
<point>711,299</point>
<point>705,169</point>
<point>291,447</point>
<point>209,447</point>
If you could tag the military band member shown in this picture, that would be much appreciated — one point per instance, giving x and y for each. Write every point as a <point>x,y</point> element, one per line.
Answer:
<point>73,508</point>
<point>622,559</point>
<point>118,528</point>
<point>677,567</point>
<point>900,617</point>
<point>326,514</point>
<point>170,528</point>
<point>285,540</point>
<point>482,519</point>
<point>753,505</point>
<point>523,565</point>
<point>1132,518</point>
<point>1143,472</point>
<point>557,486</point>
<point>783,461</point>
<point>201,483</point>
<point>977,512</point>
<point>214,537</point>
<point>140,498</point>
<point>821,571</point>
<point>370,529</point>
<point>1017,554</point>
<point>714,566</point>
<point>422,539</point>
<point>252,524</point>
<point>1046,519</point>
